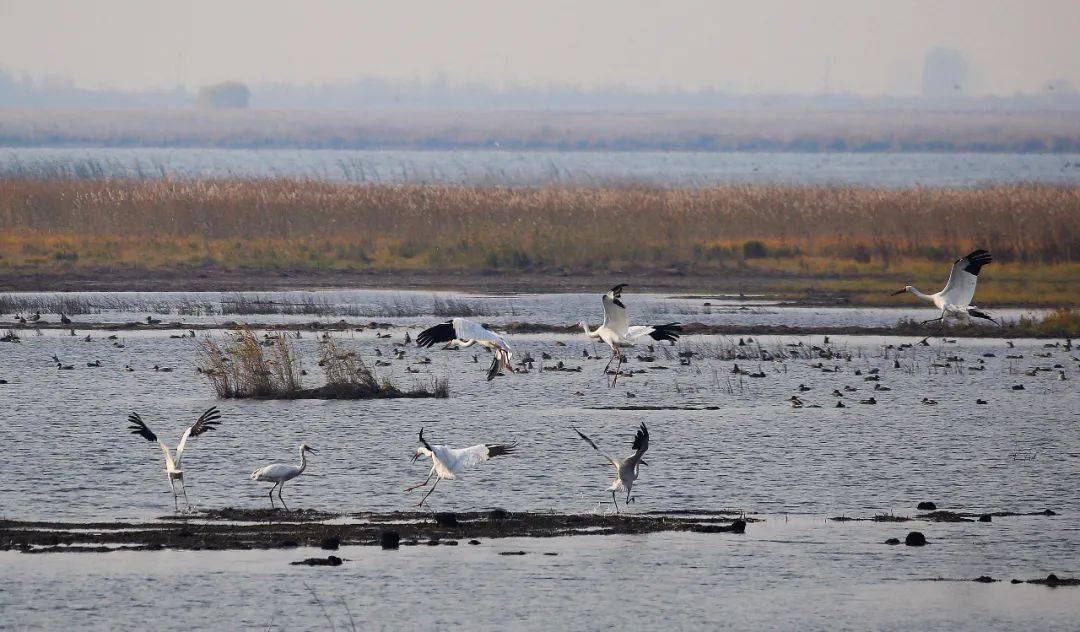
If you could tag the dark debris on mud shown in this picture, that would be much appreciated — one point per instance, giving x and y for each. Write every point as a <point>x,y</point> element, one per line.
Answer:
<point>945,516</point>
<point>1050,580</point>
<point>242,529</point>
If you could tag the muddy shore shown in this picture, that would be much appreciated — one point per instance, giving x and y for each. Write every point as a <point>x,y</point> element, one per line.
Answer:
<point>267,529</point>
<point>493,282</point>
<point>735,282</point>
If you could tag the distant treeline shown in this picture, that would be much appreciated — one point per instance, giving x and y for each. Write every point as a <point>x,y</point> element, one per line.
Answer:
<point>900,130</point>
<point>58,91</point>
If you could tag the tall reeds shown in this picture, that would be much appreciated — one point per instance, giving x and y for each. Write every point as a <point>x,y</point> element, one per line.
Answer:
<point>245,368</point>
<point>317,225</point>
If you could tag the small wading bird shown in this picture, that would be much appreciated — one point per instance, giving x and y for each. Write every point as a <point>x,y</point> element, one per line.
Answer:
<point>278,473</point>
<point>616,331</point>
<point>447,462</point>
<point>207,421</point>
<point>466,333</point>
<point>955,299</point>
<point>626,470</point>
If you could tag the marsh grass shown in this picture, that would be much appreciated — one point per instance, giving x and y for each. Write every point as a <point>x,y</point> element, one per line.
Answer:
<point>245,368</point>
<point>860,239</point>
<point>241,368</point>
<point>1064,322</point>
<point>71,305</point>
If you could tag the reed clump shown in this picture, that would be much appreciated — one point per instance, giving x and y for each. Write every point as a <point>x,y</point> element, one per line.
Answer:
<point>244,368</point>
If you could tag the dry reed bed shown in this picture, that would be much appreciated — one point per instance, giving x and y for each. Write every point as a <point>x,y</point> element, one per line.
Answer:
<point>244,368</point>
<point>276,223</point>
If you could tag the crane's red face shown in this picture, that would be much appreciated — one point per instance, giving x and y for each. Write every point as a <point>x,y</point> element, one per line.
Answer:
<point>420,453</point>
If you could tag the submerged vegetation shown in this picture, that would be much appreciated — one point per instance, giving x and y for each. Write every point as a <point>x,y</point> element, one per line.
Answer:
<point>856,241</point>
<point>245,368</point>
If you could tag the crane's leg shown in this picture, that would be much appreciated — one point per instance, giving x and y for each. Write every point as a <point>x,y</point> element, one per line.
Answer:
<point>614,502</point>
<point>421,503</point>
<point>628,498</point>
<point>281,487</point>
<point>183,488</point>
<point>172,486</point>
<point>426,481</point>
<point>934,320</point>
<point>608,365</point>
<point>618,367</point>
<point>272,505</point>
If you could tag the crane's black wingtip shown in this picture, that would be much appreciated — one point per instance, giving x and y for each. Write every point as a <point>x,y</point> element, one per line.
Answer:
<point>976,260</point>
<point>439,333</point>
<point>669,332</point>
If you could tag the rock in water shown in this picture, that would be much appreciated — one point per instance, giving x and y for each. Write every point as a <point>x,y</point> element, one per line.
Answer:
<point>926,505</point>
<point>332,560</point>
<point>330,543</point>
<point>985,518</point>
<point>389,539</point>
<point>915,539</point>
<point>892,541</point>
<point>446,519</point>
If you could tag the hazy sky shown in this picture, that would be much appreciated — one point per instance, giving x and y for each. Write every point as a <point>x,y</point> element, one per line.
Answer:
<point>754,46</point>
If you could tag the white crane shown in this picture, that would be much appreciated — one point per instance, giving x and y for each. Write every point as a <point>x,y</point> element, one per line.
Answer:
<point>447,462</point>
<point>955,299</point>
<point>207,421</point>
<point>279,473</point>
<point>616,331</point>
<point>626,470</point>
<point>466,333</point>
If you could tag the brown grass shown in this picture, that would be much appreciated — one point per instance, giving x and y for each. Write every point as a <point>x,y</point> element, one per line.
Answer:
<point>240,368</point>
<point>279,223</point>
<point>244,368</point>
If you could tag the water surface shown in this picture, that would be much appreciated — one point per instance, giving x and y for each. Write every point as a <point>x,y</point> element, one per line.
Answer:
<point>548,167</point>
<point>69,456</point>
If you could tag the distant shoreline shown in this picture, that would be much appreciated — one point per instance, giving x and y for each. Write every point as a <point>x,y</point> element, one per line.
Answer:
<point>899,130</point>
<point>757,285</point>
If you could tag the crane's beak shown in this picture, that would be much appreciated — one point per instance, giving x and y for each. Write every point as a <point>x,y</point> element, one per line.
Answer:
<point>643,462</point>
<point>901,291</point>
<point>311,450</point>
<point>416,455</point>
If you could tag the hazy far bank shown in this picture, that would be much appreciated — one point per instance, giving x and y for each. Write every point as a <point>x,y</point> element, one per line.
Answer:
<point>763,129</point>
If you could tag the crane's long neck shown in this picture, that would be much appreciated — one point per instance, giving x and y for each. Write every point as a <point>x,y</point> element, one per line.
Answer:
<point>303,461</point>
<point>590,333</point>
<point>914,290</point>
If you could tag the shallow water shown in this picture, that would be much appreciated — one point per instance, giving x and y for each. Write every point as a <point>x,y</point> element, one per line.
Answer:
<point>68,456</point>
<point>783,574</point>
<point>405,307</point>
<point>549,167</point>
